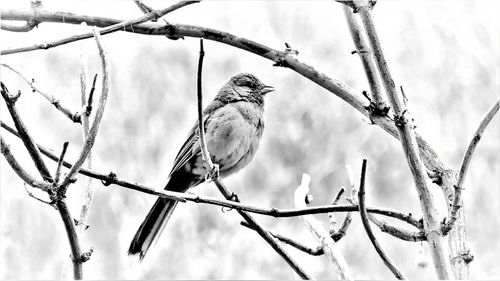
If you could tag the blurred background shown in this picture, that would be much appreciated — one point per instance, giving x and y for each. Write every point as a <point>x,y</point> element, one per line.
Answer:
<point>445,53</point>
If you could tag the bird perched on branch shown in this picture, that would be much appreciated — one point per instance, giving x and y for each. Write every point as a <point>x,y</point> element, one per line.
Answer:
<point>233,128</point>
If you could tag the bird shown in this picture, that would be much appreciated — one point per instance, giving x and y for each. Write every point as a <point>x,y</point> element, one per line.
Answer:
<point>234,124</point>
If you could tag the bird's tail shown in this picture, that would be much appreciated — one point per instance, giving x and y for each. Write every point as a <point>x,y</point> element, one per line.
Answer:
<point>151,227</point>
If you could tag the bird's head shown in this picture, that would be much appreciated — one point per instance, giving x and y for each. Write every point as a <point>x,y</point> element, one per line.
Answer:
<point>247,87</point>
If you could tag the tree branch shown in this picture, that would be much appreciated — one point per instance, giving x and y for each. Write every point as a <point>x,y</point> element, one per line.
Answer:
<point>408,139</point>
<point>366,224</point>
<point>89,141</point>
<point>25,136</point>
<point>113,28</point>
<point>378,105</point>
<point>401,233</point>
<point>457,201</point>
<point>14,164</point>
<point>76,253</point>
<point>329,248</point>
<point>313,252</point>
<point>75,117</point>
<point>59,162</point>
<point>86,103</point>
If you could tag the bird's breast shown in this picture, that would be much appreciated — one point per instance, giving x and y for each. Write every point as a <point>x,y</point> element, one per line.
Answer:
<point>233,135</point>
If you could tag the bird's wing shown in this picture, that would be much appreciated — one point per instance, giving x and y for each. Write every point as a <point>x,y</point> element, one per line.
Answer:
<point>189,149</point>
<point>191,146</point>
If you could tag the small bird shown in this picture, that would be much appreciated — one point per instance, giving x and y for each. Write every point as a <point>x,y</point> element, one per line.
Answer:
<point>233,128</point>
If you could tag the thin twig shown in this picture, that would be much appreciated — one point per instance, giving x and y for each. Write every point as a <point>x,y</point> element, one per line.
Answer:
<point>60,161</point>
<point>89,142</point>
<point>329,248</point>
<point>13,28</point>
<point>313,252</point>
<point>222,188</point>
<point>336,235</point>
<point>86,102</point>
<point>331,216</point>
<point>75,117</point>
<point>14,164</point>
<point>201,126</point>
<point>30,194</point>
<point>407,136</point>
<point>25,136</point>
<point>109,29</point>
<point>457,201</point>
<point>397,232</point>
<point>366,224</point>
<point>378,104</point>
<point>36,6</point>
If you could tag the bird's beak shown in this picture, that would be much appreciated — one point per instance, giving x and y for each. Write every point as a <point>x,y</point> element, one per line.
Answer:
<point>266,89</point>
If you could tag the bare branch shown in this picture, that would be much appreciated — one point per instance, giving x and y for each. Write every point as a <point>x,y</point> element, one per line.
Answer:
<point>23,28</point>
<point>457,201</point>
<point>113,28</point>
<point>201,130</point>
<point>366,224</point>
<point>75,117</point>
<point>59,163</point>
<point>76,253</point>
<point>25,136</point>
<point>329,248</point>
<point>378,106</point>
<point>336,235</point>
<point>25,176</point>
<point>401,233</point>
<point>313,252</point>
<point>404,125</point>
<point>36,6</point>
<point>89,141</point>
<point>30,194</point>
<point>86,102</point>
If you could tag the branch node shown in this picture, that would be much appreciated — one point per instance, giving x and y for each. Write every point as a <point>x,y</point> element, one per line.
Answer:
<point>309,198</point>
<point>111,178</point>
<point>289,52</point>
<point>400,119</point>
<point>79,222</point>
